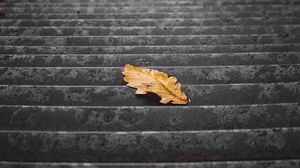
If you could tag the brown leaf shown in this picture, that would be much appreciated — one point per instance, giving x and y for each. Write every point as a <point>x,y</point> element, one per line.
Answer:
<point>148,80</point>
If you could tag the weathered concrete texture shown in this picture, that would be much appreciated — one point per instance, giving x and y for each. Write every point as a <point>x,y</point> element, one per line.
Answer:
<point>152,146</point>
<point>123,96</point>
<point>150,22</point>
<point>185,75</point>
<point>153,1</point>
<point>282,30</point>
<point>63,102</point>
<point>149,3</point>
<point>119,60</point>
<point>243,14</point>
<point>153,9</point>
<point>219,164</point>
<point>163,49</point>
<point>151,40</point>
<point>166,4</point>
<point>149,118</point>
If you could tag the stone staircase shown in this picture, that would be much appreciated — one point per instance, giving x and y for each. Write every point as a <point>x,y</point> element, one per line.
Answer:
<point>64,104</point>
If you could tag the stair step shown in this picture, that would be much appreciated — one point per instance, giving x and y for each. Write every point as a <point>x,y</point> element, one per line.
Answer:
<point>150,40</point>
<point>215,164</point>
<point>153,9</point>
<point>41,146</point>
<point>156,118</point>
<point>153,1</point>
<point>150,22</point>
<point>118,60</point>
<point>150,3</point>
<point>160,49</point>
<point>284,30</point>
<point>187,15</point>
<point>222,94</point>
<point>186,75</point>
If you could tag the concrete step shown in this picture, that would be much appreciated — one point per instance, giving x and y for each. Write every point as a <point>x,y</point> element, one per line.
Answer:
<point>167,146</point>
<point>215,164</point>
<point>150,40</point>
<point>211,94</point>
<point>119,60</point>
<point>283,30</point>
<point>233,14</point>
<point>148,3</point>
<point>160,49</point>
<point>186,75</point>
<point>149,22</point>
<point>148,118</point>
<point>153,9</point>
<point>153,1</point>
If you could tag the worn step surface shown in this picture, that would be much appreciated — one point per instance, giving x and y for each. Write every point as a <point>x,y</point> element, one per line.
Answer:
<point>150,40</point>
<point>153,1</point>
<point>63,102</point>
<point>136,2</point>
<point>218,164</point>
<point>149,118</point>
<point>149,22</point>
<point>113,75</point>
<point>282,30</point>
<point>229,14</point>
<point>153,9</point>
<point>157,49</point>
<point>150,146</point>
<point>210,94</point>
<point>119,60</point>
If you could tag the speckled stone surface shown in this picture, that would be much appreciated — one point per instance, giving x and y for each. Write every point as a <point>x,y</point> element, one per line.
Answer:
<point>118,60</point>
<point>151,146</point>
<point>281,30</point>
<point>63,102</point>
<point>163,118</point>
<point>113,76</point>
<point>224,94</point>
<point>211,164</point>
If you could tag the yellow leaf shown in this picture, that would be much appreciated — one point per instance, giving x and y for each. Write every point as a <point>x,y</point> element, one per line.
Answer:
<point>149,80</point>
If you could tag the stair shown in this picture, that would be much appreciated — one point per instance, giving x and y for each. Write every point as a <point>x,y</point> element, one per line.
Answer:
<point>64,104</point>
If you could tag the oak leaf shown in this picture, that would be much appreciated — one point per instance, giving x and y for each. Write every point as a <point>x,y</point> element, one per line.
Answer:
<point>149,80</point>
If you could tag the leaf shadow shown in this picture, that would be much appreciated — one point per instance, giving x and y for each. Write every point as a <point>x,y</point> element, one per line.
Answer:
<point>153,99</point>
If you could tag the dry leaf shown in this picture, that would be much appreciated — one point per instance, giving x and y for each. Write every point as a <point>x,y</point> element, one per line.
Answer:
<point>148,80</point>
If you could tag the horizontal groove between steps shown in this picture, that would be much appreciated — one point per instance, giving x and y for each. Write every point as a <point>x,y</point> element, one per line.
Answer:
<point>145,46</point>
<point>166,6</point>
<point>66,54</point>
<point>142,164</point>
<point>175,14</point>
<point>148,132</point>
<point>79,1</point>
<point>142,107</point>
<point>191,6</point>
<point>149,36</point>
<point>130,19</point>
<point>154,27</point>
<point>124,86</point>
<point>153,3</point>
<point>138,10</point>
<point>179,67</point>
<point>208,3</point>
